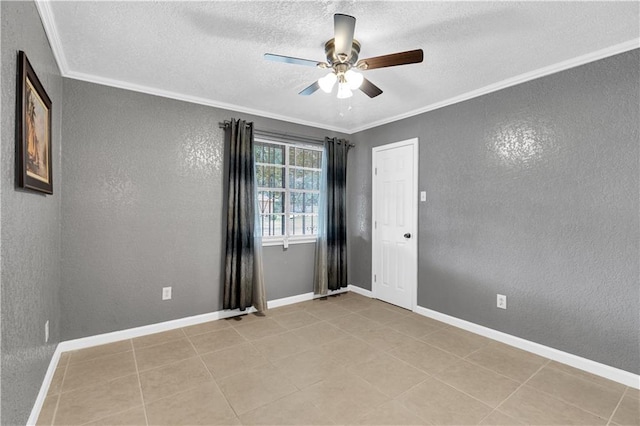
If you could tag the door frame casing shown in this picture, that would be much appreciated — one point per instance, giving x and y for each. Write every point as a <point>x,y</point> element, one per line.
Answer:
<point>414,206</point>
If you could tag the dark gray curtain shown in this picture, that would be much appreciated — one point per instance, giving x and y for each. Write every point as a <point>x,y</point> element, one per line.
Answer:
<point>243,282</point>
<point>331,249</point>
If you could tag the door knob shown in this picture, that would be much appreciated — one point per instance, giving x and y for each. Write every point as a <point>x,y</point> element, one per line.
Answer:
<point>407,235</point>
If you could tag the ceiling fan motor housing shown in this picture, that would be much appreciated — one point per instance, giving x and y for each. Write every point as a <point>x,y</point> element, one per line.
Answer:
<point>343,58</point>
<point>335,59</point>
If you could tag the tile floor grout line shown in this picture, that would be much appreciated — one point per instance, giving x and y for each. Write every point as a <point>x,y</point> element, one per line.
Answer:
<point>559,398</point>
<point>516,390</point>
<point>382,349</point>
<point>218,350</point>
<point>352,313</point>
<point>398,397</point>
<point>205,332</point>
<point>109,415</point>
<point>144,405</point>
<point>585,379</point>
<point>124,375</point>
<point>463,392</point>
<point>118,412</point>
<point>111,379</point>
<point>474,364</point>
<point>240,372</point>
<point>477,350</point>
<point>173,339</point>
<point>164,365</point>
<point>512,393</point>
<point>440,349</point>
<point>272,335</point>
<point>490,413</point>
<point>385,324</point>
<point>180,391</point>
<point>408,363</point>
<point>617,406</point>
<point>393,398</point>
<point>270,402</point>
<point>299,389</point>
<point>323,380</point>
<point>206,367</point>
<point>262,405</point>
<point>435,330</point>
<point>433,347</point>
<point>100,357</point>
<point>231,327</point>
<point>281,358</point>
<point>55,409</point>
<point>429,376</point>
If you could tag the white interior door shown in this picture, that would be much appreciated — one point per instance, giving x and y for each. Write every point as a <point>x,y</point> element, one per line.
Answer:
<point>395,211</point>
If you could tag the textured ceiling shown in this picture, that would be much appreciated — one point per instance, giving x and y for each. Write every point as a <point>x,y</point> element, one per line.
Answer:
<point>211,52</point>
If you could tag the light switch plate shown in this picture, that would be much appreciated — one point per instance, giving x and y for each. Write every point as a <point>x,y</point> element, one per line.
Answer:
<point>166,293</point>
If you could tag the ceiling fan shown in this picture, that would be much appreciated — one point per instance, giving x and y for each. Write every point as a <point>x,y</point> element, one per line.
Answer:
<point>342,58</point>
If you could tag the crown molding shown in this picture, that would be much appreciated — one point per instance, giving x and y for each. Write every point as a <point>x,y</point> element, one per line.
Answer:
<point>48,22</point>
<point>46,15</point>
<point>513,81</point>
<point>195,100</point>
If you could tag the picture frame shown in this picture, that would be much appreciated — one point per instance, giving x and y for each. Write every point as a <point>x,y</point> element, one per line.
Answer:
<point>33,128</point>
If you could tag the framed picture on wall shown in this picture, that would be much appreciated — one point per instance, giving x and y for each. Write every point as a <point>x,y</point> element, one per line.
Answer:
<point>33,121</point>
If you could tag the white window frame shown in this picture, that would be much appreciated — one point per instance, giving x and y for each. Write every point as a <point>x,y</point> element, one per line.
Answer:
<point>286,239</point>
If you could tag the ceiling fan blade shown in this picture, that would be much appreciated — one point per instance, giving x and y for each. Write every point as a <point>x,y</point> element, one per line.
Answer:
<point>344,28</point>
<point>402,58</point>
<point>370,89</point>
<point>291,60</point>
<point>309,90</point>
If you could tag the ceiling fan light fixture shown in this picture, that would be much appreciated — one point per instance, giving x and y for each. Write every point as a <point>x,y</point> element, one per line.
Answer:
<point>326,83</point>
<point>354,79</point>
<point>343,91</point>
<point>342,53</point>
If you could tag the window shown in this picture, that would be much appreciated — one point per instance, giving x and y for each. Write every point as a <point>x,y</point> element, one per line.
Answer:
<point>288,179</point>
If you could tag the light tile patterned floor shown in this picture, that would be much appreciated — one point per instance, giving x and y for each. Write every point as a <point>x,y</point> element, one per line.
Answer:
<point>343,360</point>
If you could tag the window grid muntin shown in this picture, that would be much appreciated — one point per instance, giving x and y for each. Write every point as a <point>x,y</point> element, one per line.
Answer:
<point>287,167</point>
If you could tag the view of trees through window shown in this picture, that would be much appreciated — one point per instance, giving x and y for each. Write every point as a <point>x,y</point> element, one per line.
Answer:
<point>288,178</point>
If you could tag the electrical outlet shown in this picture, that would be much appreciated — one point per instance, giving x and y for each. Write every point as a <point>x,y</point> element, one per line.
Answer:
<point>46,332</point>
<point>423,196</point>
<point>502,301</point>
<point>166,293</point>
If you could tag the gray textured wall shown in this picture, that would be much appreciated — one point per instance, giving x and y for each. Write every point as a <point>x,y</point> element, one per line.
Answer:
<point>289,272</point>
<point>142,209</point>
<point>532,192</point>
<point>30,226</point>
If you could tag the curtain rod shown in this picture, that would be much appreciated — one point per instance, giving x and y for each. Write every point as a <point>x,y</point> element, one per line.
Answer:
<point>283,136</point>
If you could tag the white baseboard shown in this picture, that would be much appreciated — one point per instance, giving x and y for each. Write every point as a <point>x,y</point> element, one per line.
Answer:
<point>359,290</point>
<point>625,377</point>
<point>612,373</point>
<point>103,339</point>
<point>271,304</point>
<point>37,406</point>
<point>300,298</point>
<point>130,333</point>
